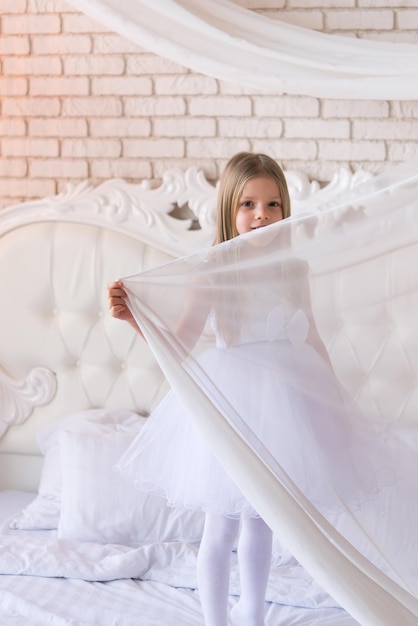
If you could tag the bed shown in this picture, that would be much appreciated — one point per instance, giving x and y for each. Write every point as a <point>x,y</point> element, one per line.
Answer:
<point>78,546</point>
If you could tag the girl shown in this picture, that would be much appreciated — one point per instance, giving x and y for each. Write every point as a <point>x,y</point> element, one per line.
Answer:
<point>252,194</point>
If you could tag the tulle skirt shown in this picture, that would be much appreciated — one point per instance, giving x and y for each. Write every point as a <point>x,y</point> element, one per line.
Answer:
<point>318,436</point>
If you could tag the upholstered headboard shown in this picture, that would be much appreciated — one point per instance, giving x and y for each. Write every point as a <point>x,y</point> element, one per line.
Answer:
<point>62,352</point>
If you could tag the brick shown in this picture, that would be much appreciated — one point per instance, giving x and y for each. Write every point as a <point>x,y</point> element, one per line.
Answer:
<point>352,150</point>
<point>385,3</point>
<point>392,36</point>
<point>405,109</point>
<point>320,4</point>
<point>133,169</point>
<point>96,107</point>
<point>75,148</point>
<point>261,4</point>
<point>284,150</point>
<point>110,44</point>
<point>216,148</point>
<point>58,168</point>
<point>27,188</point>
<point>14,45</point>
<point>120,127</point>
<point>402,151</point>
<point>30,147</point>
<point>317,128</point>
<point>12,127</point>
<point>13,168</point>
<point>17,6</point>
<point>30,66</point>
<point>408,19</point>
<point>58,127</point>
<point>360,20</point>
<point>145,63</point>
<point>163,106</point>
<point>30,24</point>
<point>184,127</point>
<point>48,6</point>
<point>29,107</point>
<point>220,105</point>
<point>62,44</point>
<point>11,86</point>
<point>153,148</point>
<point>63,86</point>
<point>250,127</point>
<point>124,85</point>
<point>355,108</point>
<point>286,106</point>
<point>389,129</point>
<point>188,84</point>
<point>235,89</point>
<point>313,20</point>
<point>94,65</point>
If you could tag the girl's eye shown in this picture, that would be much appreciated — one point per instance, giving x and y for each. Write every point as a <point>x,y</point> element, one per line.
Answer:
<point>247,203</point>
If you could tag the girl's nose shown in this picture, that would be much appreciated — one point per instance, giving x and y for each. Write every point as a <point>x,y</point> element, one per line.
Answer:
<point>261,212</point>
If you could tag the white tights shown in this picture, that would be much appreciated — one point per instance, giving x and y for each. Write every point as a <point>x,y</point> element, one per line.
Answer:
<point>213,564</point>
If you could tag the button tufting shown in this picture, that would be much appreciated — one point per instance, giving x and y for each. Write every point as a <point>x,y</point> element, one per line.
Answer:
<point>123,366</point>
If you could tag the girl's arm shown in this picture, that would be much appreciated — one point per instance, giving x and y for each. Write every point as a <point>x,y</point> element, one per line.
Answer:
<point>195,312</point>
<point>314,339</point>
<point>191,322</point>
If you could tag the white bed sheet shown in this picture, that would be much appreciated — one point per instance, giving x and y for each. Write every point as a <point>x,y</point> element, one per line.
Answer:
<point>51,588</point>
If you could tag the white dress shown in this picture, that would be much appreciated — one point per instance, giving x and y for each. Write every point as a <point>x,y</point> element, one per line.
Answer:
<point>257,380</point>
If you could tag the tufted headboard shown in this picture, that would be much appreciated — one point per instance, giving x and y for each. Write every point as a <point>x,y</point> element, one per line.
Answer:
<point>62,352</point>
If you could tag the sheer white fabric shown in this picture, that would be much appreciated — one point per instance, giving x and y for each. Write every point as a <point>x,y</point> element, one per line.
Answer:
<point>228,42</point>
<point>234,329</point>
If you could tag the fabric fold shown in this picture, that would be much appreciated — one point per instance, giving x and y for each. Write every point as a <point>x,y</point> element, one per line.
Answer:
<point>228,42</point>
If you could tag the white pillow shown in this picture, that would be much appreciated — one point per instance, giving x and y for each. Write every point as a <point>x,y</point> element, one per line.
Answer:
<point>97,505</point>
<point>148,517</point>
<point>43,512</point>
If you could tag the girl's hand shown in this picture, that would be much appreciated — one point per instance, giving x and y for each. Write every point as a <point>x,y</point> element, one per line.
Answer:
<point>116,300</point>
<point>117,305</point>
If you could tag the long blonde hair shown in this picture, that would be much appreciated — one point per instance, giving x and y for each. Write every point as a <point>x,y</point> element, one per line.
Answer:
<point>239,169</point>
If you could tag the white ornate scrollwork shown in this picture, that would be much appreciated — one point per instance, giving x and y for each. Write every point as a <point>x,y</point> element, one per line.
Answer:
<point>143,211</point>
<point>19,397</point>
<point>305,194</point>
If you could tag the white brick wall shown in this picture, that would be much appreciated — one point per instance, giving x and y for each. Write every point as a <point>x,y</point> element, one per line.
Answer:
<point>78,101</point>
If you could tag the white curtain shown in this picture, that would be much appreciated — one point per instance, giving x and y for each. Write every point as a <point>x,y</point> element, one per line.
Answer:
<point>336,484</point>
<point>220,39</point>
<point>377,583</point>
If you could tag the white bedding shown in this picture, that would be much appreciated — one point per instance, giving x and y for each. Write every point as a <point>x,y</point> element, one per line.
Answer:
<point>149,585</point>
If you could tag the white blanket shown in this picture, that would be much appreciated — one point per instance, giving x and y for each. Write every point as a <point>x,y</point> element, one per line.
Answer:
<point>172,563</point>
<point>50,582</point>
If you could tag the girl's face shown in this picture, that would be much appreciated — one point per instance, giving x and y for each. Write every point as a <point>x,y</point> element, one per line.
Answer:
<point>260,204</point>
